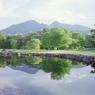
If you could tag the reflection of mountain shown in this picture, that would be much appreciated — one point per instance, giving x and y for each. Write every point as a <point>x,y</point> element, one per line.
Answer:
<point>81,66</point>
<point>26,69</point>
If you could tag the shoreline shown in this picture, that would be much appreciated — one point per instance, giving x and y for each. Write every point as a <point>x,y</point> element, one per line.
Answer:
<point>73,57</point>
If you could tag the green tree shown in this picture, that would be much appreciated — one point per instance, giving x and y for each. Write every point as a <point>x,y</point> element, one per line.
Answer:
<point>90,42</point>
<point>79,40</point>
<point>29,36</point>
<point>14,44</point>
<point>33,44</point>
<point>19,38</point>
<point>57,37</point>
<point>8,41</point>
<point>2,39</point>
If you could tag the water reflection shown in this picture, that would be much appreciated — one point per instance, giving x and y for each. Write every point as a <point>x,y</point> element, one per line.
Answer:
<point>45,76</point>
<point>57,67</point>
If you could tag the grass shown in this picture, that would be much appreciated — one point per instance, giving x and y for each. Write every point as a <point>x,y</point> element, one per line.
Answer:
<point>82,51</point>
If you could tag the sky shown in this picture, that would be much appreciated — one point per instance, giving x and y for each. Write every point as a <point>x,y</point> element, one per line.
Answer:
<point>80,12</point>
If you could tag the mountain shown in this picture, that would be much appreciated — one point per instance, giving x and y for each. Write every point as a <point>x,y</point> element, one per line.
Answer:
<point>24,28</point>
<point>33,26</point>
<point>75,28</point>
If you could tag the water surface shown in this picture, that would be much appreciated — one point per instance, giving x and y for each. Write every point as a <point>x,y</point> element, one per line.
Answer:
<point>45,76</point>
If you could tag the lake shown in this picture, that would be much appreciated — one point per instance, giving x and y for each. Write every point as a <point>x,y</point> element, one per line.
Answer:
<point>45,76</point>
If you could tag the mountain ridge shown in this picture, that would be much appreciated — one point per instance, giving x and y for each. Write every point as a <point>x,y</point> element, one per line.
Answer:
<point>34,26</point>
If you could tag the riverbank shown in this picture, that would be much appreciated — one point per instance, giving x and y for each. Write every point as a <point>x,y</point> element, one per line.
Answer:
<point>74,57</point>
<point>78,52</point>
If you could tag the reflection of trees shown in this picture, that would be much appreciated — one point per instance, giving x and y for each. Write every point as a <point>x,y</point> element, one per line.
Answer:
<point>57,67</point>
<point>2,62</point>
<point>75,63</point>
<point>33,62</point>
<point>10,61</point>
<point>93,66</point>
<point>14,61</point>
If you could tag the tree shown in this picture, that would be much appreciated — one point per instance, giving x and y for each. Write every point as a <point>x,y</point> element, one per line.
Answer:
<point>44,30</point>
<point>2,39</point>
<point>33,44</point>
<point>29,36</point>
<point>8,41</point>
<point>92,30</point>
<point>74,44</point>
<point>57,37</point>
<point>90,42</point>
<point>79,40</point>
<point>13,44</point>
<point>19,38</point>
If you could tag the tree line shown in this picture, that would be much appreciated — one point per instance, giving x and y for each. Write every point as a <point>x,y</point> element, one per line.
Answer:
<point>48,38</point>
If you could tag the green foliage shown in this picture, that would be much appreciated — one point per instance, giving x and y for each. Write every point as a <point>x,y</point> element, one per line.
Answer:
<point>51,38</point>
<point>78,40</point>
<point>57,67</point>
<point>90,43</point>
<point>75,63</point>
<point>33,60</point>
<point>13,44</point>
<point>10,61</point>
<point>57,37</point>
<point>75,44</point>
<point>92,30</point>
<point>43,31</point>
<point>8,42</point>
<point>29,36</point>
<point>2,40</point>
<point>33,44</point>
<point>19,38</point>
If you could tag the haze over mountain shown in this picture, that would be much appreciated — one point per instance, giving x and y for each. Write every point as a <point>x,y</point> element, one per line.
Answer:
<point>34,26</point>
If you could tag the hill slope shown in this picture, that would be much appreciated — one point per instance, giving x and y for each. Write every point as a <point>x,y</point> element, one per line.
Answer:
<point>24,28</point>
<point>75,28</point>
<point>33,26</point>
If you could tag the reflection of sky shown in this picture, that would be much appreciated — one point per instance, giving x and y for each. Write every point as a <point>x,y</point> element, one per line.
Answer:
<point>79,82</point>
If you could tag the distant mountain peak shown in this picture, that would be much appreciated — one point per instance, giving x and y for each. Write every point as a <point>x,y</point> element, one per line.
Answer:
<point>56,22</point>
<point>31,21</point>
<point>34,26</point>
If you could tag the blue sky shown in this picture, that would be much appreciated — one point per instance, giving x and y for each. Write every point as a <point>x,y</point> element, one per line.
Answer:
<point>72,12</point>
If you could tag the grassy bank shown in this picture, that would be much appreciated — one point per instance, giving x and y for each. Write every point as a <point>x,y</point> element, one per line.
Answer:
<point>83,52</point>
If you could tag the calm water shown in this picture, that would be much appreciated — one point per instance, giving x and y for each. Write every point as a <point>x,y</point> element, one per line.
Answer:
<point>42,76</point>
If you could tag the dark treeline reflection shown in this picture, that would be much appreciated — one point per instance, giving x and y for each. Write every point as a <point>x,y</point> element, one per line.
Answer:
<point>58,68</point>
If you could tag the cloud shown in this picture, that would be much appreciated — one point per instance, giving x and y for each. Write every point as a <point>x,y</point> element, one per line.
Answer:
<point>82,17</point>
<point>68,12</point>
<point>68,81</point>
<point>47,11</point>
<point>8,6</point>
